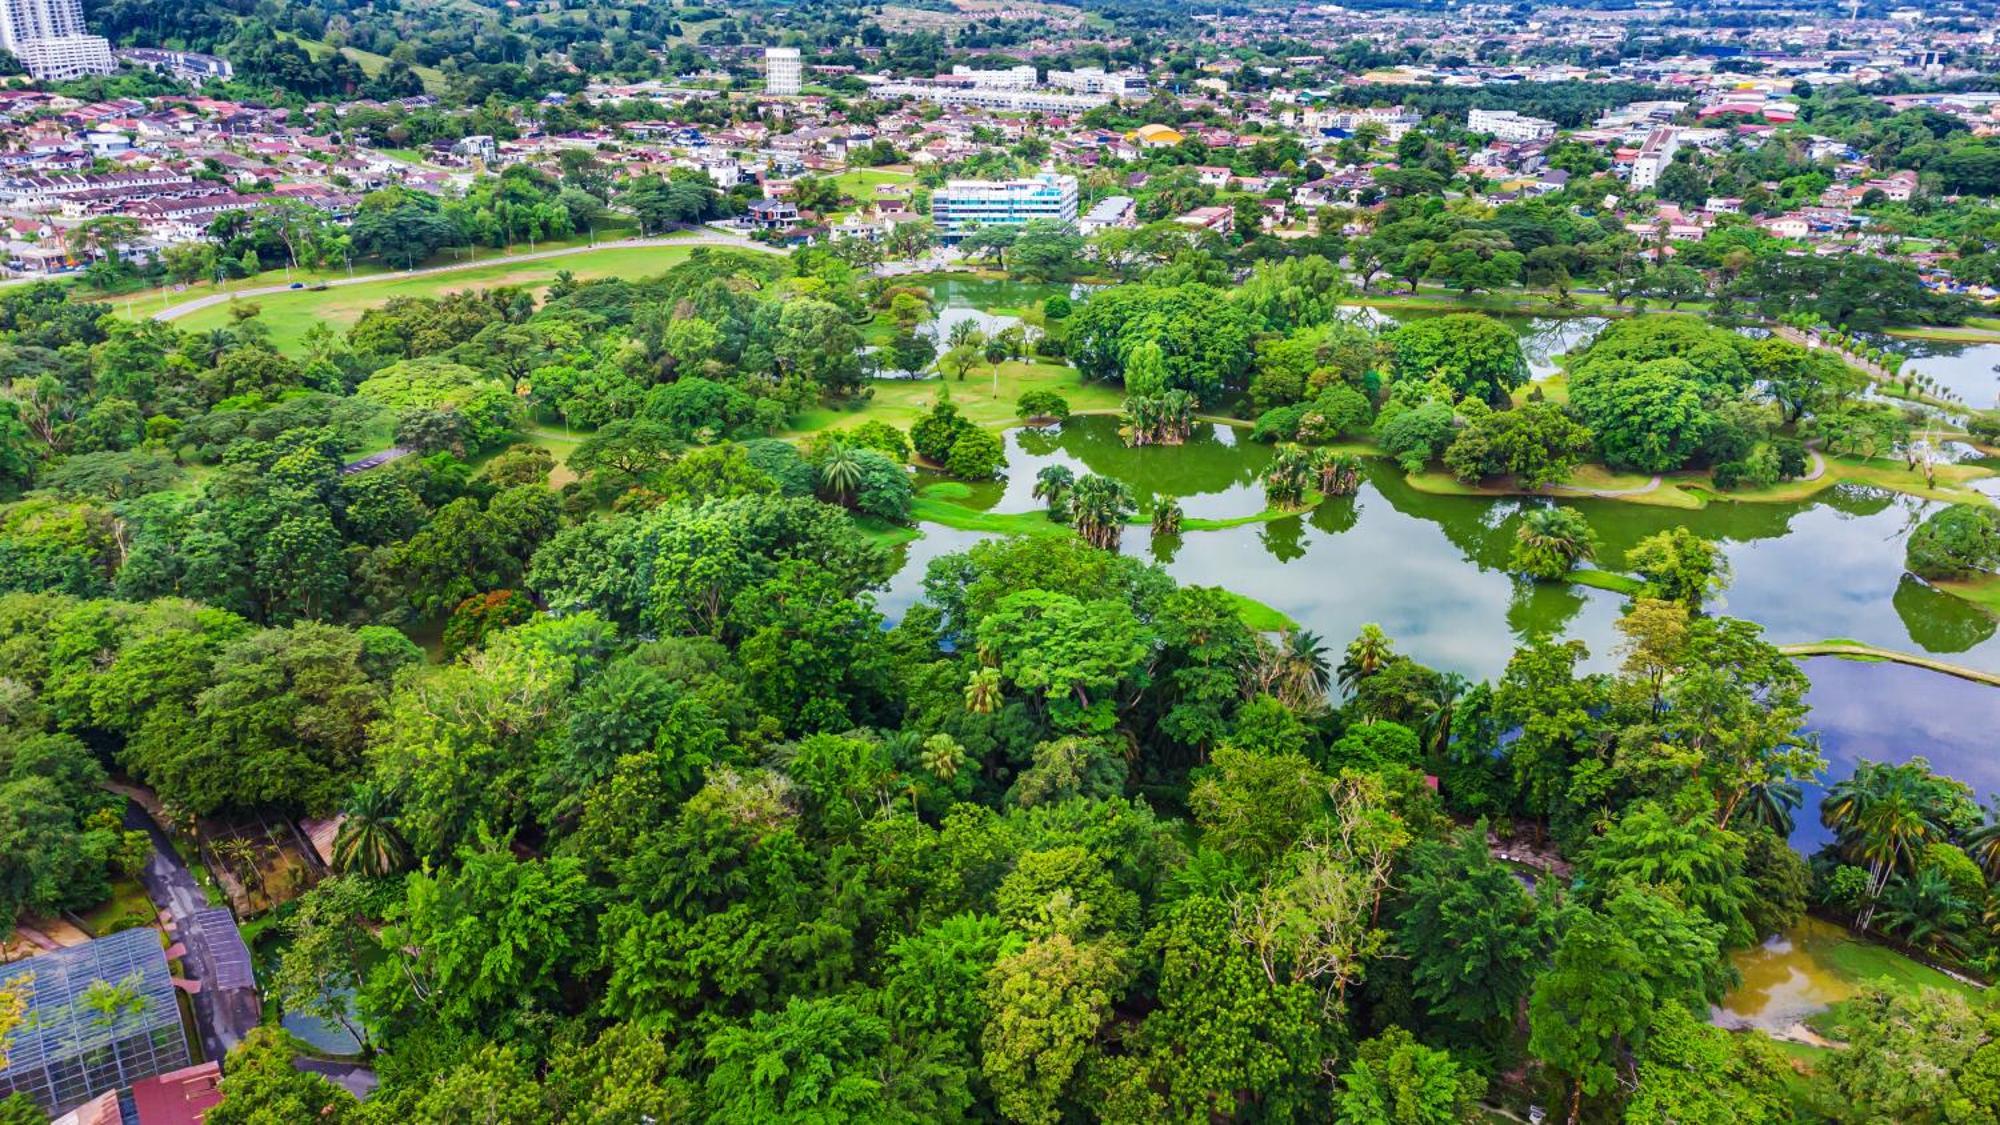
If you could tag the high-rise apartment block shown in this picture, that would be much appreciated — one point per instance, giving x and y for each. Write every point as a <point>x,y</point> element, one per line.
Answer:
<point>783,72</point>
<point>49,38</point>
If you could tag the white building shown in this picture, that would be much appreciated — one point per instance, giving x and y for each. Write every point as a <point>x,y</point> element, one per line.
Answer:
<point>1654,156</point>
<point>49,38</point>
<point>962,205</point>
<point>1506,125</point>
<point>1094,80</point>
<point>783,72</point>
<point>1012,101</point>
<point>1013,78</point>
<point>1111,211</point>
<point>1394,120</point>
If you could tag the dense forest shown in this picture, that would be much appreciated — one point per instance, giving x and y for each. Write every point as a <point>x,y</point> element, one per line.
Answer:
<point>672,821</point>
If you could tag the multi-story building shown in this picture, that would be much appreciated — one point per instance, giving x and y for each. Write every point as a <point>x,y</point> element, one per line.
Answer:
<point>49,38</point>
<point>189,67</point>
<point>1654,156</point>
<point>1094,80</point>
<point>964,205</point>
<point>982,97</point>
<point>784,73</point>
<point>1012,78</point>
<point>1507,125</point>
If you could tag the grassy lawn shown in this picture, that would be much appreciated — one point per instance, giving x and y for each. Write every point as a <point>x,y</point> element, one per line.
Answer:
<point>1258,616</point>
<point>1982,591</point>
<point>1587,482</point>
<point>1605,580</point>
<point>1889,475</point>
<point>859,184</point>
<point>127,908</point>
<point>146,302</point>
<point>900,402</point>
<point>289,314</point>
<point>1976,330</point>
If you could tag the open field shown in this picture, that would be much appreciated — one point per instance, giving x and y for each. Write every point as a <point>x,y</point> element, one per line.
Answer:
<point>290,313</point>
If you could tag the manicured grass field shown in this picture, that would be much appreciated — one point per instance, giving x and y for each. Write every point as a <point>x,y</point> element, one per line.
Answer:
<point>290,313</point>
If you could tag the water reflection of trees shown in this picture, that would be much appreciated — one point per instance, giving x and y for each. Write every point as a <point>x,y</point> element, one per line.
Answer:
<point>1939,622</point>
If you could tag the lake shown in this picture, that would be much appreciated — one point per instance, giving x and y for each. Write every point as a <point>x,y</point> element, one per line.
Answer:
<point>1431,571</point>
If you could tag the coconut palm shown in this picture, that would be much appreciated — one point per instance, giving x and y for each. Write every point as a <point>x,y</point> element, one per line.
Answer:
<point>982,691</point>
<point>1439,704</point>
<point>1771,804</point>
<point>841,473</point>
<point>1303,673</point>
<point>1366,655</point>
<point>1983,845</point>
<point>1882,816</point>
<point>367,841</point>
<point>1167,516</point>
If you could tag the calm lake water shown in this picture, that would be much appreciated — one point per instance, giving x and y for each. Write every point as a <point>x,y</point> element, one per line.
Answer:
<point>1969,371</point>
<point>1431,569</point>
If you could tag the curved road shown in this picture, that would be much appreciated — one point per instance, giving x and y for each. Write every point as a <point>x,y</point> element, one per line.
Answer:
<point>700,238</point>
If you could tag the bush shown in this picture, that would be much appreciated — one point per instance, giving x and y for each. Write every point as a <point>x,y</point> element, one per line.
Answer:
<point>884,491</point>
<point>1730,475</point>
<point>976,455</point>
<point>1954,542</point>
<point>883,438</point>
<point>1042,404</point>
<point>936,433</point>
<point>1280,423</point>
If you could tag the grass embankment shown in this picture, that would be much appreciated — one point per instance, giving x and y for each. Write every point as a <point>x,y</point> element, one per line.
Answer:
<point>1976,330</point>
<point>1606,580</point>
<point>1848,649</point>
<point>1431,298</point>
<point>290,313</point>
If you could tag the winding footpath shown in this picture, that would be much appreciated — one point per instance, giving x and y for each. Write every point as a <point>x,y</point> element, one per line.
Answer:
<point>705,237</point>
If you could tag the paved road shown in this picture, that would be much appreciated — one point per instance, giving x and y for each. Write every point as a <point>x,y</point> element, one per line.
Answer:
<point>222,1017</point>
<point>374,459</point>
<point>699,238</point>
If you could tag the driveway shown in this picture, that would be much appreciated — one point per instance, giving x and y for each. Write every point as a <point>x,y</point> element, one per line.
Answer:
<point>223,1015</point>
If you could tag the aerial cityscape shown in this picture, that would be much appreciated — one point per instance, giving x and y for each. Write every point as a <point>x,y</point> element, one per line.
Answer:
<point>1406,562</point>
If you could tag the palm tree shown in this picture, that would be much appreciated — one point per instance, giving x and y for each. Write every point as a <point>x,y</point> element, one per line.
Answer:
<point>1285,482</point>
<point>1771,804</point>
<point>1053,484</point>
<point>1167,516</point>
<point>841,473</point>
<point>1924,910</point>
<point>367,841</point>
<point>982,691</point>
<point>1366,655</point>
<point>1303,672</point>
<point>1339,473</point>
<point>1099,507</point>
<point>1983,845</point>
<point>1439,704</point>
<point>1882,816</point>
<point>1551,541</point>
<point>942,756</point>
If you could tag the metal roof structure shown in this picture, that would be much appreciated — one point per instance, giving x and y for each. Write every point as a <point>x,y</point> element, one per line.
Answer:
<point>100,1016</point>
<point>228,958</point>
